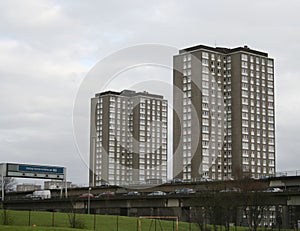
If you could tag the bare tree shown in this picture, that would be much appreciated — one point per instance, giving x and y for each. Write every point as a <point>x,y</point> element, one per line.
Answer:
<point>211,206</point>
<point>9,184</point>
<point>199,216</point>
<point>74,219</point>
<point>221,203</point>
<point>228,206</point>
<point>255,203</point>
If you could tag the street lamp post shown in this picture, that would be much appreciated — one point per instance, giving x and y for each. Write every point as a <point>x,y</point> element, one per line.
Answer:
<point>89,200</point>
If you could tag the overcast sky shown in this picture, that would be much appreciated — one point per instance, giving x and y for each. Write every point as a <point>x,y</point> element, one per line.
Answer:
<point>47,48</point>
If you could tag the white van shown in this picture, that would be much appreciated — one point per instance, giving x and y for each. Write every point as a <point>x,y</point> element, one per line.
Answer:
<point>41,194</point>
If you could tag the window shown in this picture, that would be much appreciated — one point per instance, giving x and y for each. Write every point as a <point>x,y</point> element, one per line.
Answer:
<point>205,55</point>
<point>244,79</point>
<point>245,145</point>
<point>270,63</point>
<point>205,62</point>
<point>244,57</point>
<point>270,70</point>
<point>205,69</point>
<point>245,101</point>
<point>244,71</point>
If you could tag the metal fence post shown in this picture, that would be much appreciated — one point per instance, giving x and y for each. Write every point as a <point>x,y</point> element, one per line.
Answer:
<point>94,221</point>
<point>29,218</point>
<point>53,218</point>
<point>117,223</point>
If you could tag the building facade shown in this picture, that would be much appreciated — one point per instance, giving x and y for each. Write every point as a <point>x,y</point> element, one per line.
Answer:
<point>223,119</point>
<point>128,138</point>
<point>28,187</point>
<point>57,184</point>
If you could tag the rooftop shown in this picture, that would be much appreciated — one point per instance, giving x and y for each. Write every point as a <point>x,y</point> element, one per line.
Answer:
<point>223,50</point>
<point>129,93</point>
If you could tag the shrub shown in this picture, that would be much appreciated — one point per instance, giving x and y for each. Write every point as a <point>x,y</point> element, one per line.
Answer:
<point>76,222</point>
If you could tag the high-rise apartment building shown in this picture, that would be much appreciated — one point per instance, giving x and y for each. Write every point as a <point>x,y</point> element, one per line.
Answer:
<point>223,113</point>
<point>128,138</point>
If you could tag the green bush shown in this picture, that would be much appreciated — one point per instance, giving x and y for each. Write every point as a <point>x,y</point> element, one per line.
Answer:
<point>76,222</point>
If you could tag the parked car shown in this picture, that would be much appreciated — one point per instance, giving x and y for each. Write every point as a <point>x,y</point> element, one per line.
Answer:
<point>203,179</point>
<point>231,190</point>
<point>28,196</point>
<point>274,190</point>
<point>176,191</point>
<point>87,195</point>
<point>176,181</point>
<point>133,193</point>
<point>107,194</point>
<point>187,191</point>
<point>157,193</point>
<point>104,183</point>
<point>183,191</point>
<point>277,190</point>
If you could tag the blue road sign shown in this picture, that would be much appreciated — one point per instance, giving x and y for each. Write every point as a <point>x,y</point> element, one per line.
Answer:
<point>40,169</point>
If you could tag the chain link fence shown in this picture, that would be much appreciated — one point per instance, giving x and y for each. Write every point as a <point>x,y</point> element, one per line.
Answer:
<point>89,221</point>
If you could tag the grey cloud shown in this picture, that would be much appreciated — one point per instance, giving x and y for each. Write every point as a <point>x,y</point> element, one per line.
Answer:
<point>47,47</point>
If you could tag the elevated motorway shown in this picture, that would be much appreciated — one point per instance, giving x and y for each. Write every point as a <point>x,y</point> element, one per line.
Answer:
<point>207,194</point>
<point>156,205</point>
<point>287,183</point>
<point>180,200</point>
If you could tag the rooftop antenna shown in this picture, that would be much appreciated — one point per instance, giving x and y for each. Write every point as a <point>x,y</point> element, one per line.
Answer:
<point>215,43</point>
